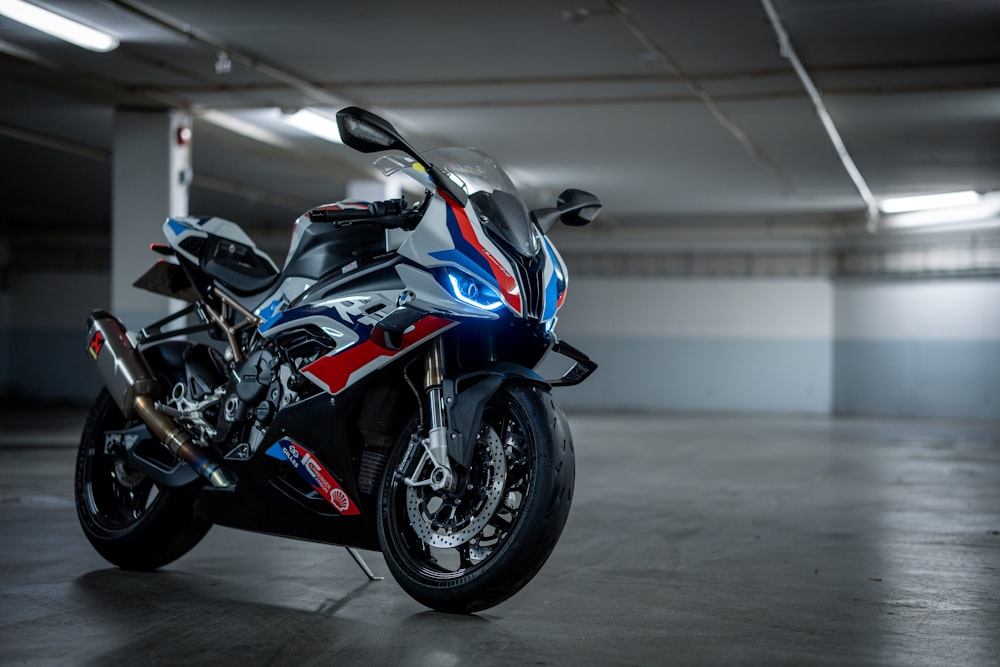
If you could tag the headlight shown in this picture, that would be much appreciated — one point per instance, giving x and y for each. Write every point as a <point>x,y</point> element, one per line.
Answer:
<point>472,291</point>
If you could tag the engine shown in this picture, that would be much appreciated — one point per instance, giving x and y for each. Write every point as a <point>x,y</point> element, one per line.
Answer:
<point>263,384</point>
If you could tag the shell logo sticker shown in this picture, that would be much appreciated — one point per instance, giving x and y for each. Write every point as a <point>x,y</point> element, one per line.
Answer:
<point>339,500</point>
<point>313,472</point>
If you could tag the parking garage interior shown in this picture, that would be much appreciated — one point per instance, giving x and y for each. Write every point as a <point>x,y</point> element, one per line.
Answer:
<point>790,451</point>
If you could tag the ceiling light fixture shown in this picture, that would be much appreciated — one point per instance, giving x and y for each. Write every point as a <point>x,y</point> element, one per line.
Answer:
<point>979,212</point>
<point>929,202</point>
<point>315,124</point>
<point>58,26</point>
<point>249,125</point>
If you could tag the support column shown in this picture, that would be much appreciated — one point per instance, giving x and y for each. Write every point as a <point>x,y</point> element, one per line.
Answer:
<point>151,170</point>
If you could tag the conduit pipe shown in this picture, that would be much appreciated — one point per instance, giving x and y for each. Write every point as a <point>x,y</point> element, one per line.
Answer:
<point>786,50</point>
<point>621,10</point>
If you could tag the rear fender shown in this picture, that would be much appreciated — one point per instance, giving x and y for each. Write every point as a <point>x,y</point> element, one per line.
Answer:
<point>465,399</point>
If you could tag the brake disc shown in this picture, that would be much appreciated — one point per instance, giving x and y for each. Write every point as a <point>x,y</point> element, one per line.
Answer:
<point>126,475</point>
<point>461,527</point>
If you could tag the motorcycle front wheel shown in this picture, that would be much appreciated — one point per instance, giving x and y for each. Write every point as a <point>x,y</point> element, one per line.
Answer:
<point>474,545</point>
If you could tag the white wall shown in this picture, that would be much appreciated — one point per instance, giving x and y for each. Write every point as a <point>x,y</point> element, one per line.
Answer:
<point>918,348</point>
<point>918,310</point>
<point>702,344</point>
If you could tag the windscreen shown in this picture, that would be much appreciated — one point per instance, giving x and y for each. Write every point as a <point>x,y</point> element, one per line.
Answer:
<point>498,204</point>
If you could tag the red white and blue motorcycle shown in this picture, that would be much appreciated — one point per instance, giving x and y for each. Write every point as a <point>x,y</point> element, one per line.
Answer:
<point>376,392</point>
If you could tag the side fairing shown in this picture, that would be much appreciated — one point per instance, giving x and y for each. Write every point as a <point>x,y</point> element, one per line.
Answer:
<point>341,368</point>
<point>348,322</point>
<point>271,307</point>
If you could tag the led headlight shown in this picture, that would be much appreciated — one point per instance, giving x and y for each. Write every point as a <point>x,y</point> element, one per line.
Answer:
<point>471,291</point>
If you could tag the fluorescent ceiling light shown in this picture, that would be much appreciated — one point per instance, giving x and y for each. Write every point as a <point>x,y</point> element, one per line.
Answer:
<point>244,127</point>
<point>315,124</point>
<point>985,212</point>
<point>58,26</point>
<point>929,202</point>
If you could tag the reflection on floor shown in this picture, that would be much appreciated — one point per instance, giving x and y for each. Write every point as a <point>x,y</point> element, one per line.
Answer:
<point>692,539</point>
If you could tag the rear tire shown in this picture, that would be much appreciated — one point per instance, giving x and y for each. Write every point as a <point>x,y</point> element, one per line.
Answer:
<point>131,521</point>
<point>471,549</point>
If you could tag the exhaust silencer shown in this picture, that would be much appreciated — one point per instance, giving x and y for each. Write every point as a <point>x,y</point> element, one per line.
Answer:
<point>133,385</point>
<point>124,372</point>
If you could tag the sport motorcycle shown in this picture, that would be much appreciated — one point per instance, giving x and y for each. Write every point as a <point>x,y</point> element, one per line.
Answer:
<point>377,392</point>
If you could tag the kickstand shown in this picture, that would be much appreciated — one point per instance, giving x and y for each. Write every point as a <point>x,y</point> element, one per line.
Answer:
<point>362,564</point>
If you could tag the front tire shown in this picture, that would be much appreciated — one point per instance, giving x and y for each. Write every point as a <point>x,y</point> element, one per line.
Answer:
<point>466,550</point>
<point>131,521</point>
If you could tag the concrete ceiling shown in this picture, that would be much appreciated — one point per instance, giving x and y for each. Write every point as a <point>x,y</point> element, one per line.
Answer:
<point>667,109</point>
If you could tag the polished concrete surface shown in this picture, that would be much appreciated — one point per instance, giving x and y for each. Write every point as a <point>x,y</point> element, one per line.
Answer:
<point>693,540</point>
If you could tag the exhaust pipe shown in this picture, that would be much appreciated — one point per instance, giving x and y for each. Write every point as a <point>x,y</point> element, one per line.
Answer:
<point>133,384</point>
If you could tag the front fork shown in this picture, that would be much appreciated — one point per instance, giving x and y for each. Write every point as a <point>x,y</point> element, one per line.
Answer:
<point>436,444</point>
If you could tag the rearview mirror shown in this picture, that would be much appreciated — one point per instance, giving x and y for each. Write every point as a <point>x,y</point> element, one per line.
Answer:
<point>575,208</point>
<point>364,131</point>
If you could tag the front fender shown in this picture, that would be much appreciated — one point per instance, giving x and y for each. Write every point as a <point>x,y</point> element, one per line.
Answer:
<point>466,396</point>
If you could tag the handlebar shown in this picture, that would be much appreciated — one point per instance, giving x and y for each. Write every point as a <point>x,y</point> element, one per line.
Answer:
<point>390,213</point>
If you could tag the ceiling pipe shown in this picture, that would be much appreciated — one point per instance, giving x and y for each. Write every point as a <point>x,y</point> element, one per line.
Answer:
<point>622,12</point>
<point>786,50</point>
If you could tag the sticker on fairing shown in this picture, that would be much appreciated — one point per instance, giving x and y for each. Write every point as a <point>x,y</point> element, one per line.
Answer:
<point>313,472</point>
<point>96,343</point>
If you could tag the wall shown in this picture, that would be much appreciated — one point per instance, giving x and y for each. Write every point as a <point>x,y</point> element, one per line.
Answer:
<point>920,348</point>
<point>917,348</point>
<point>45,332</point>
<point>748,345</point>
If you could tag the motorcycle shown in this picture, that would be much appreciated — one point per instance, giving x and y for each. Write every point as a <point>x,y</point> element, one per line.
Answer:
<point>377,392</point>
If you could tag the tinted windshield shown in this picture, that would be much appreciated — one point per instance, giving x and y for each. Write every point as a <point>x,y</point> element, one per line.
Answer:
<point>499,205</point>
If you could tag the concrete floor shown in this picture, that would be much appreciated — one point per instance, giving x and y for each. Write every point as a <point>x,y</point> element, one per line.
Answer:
<point>693,540</point>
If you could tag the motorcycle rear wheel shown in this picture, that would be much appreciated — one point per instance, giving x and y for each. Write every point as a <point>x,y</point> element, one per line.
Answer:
<point>467,550</point>
<point>131,521</point>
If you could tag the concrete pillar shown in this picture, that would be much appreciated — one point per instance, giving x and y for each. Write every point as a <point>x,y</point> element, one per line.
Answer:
<point>151,170</point>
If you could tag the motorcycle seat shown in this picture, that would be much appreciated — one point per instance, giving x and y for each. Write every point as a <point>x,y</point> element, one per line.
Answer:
<point>242,269</point>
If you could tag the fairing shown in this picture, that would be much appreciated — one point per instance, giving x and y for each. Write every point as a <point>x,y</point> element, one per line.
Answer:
<point>491,238</point>
<point>480,262</point>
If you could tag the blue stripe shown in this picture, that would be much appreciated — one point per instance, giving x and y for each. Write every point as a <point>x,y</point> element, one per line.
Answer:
<point>464,254</point>
<point>276,452</point>
<point>176,227</point>
<point>552,290</point>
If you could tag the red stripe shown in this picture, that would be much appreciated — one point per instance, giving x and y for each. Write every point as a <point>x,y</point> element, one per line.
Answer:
<point>320,479</point>
<point>508,284</point>
<point>335,370</point>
